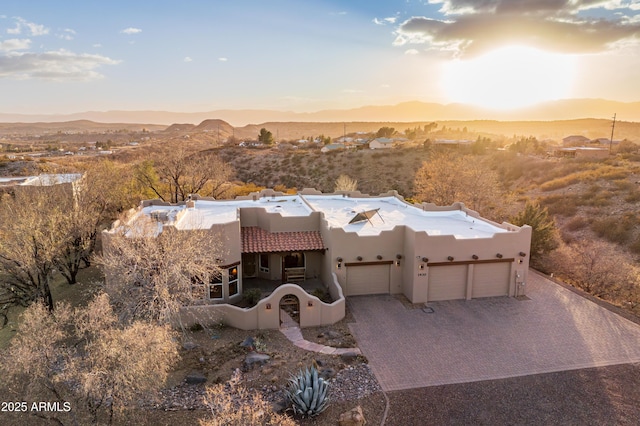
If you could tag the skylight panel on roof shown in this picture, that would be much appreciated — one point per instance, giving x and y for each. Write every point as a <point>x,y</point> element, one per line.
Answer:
<point>365,215</point>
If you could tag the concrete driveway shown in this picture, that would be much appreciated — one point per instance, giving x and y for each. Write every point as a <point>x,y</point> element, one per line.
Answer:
<point>485,339</point>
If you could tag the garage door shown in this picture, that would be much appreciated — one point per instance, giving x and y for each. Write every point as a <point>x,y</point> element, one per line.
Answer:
<point>447,283</point>
<point>369,279</point>
<point>490,280</point>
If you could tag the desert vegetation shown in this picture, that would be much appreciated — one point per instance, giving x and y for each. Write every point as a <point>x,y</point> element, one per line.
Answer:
<point>583,213</point>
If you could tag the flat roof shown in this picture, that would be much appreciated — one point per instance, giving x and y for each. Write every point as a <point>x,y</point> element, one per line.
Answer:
<point>338,211</point>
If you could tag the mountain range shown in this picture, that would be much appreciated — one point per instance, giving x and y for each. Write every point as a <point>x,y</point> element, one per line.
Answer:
<point>413,111</point>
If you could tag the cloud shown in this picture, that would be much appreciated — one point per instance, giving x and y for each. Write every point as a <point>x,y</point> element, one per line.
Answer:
<point>187,59</point>
<point>223,59</point>
<point>481,26</point>
<point>67,34</point>
<point>411,52</point>
<point>30,27</point>
<point>54,65</point>
<point>131,30</point>
<point>14,44</point>
<point>385,21</point>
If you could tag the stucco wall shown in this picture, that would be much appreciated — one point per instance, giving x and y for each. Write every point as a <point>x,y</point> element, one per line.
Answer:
<point>266,314</point>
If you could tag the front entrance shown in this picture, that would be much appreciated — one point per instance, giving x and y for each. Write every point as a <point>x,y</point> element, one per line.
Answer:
<point>249,267</point>
<point>289,311</point>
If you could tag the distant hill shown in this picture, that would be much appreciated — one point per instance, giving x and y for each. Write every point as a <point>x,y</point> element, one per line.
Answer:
<point>415,111</point>
<point>76,126</point>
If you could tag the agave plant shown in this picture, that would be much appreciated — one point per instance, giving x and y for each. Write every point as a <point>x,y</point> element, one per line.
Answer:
<point>308,392</point>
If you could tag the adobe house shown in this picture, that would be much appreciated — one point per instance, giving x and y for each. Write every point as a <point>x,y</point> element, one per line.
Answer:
<point>355,244</point>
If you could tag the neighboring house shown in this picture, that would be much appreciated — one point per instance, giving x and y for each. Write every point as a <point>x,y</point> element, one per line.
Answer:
<point>332,147</point>
<point>381,143</point>
<point>582,152</point>
<point>356,244</point>
<point>65,183</point>
<point>575,140</point>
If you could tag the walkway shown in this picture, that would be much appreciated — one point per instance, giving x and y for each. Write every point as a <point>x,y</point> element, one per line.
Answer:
<point>486,339</point>
<point>292,331</point>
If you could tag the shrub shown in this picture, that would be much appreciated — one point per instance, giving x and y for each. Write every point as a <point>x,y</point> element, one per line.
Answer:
<point>252,296</point>
<point>308,393</point>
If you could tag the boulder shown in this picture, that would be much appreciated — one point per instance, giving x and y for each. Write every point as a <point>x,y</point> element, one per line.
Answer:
<point>195,378</point>
<point>353,417</point>
<point>189,345</point>
<point>253,358</point>
<point>349,357</point>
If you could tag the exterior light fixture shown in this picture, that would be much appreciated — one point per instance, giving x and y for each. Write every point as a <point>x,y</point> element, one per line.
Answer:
<point>359,258</point>
<point>450,258</point>
<point>523,254</point>
<point>268,307</point>
<point>499,255</point>
<point>310,304</point>
<point>474,257</point>
<point>397,263</point>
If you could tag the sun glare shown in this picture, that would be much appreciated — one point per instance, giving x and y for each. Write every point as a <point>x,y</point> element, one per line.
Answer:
<point>511,77</point>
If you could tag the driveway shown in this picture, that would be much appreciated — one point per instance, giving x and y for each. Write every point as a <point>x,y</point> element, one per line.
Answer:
<point>487,339</point>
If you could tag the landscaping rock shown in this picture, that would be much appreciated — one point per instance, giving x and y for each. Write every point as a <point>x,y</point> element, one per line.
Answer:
<point>249,342</point>
<point>327,373</point>
<point>195,378</point>
<point>353,417</point>
<point>349,357</point>
<point>332,334</point>
<point>189,345</point>
<point>253,358</point>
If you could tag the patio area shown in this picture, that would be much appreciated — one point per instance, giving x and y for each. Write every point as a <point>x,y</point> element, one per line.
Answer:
<point>266,287</point>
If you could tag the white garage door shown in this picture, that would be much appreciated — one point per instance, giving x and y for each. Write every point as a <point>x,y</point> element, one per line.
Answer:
<point>490,280</point>
<point>447,283</point>
<point>369,279</point>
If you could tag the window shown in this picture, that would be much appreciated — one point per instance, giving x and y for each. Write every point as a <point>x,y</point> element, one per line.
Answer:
<point>264,263</point>
<point>294,260</point>
<point>233,280</point>
<point>233,288</point>
<point>215,291</point>
<point>215,287</point>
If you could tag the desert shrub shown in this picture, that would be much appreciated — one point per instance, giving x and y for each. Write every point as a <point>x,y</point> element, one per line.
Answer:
<point>633,197</point>
<point>560,204</point>
<point>231,404</point>
<point>614,229</point>
<point>321,294</point>
<point>252,296</point>
<point>575,224</point>
<point>544,232</point>
<point>308,392</point>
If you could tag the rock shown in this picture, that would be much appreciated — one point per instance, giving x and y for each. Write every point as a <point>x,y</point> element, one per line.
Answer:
<point>349,357</point>
<point>267,370</point>
<point>248,342</point>
<point>327,373</point>
<point>195,378</point>
<point>189,345</point>
<point>280,406</point>
<point>274,379</point>
<point>332,334</point>
<point>253,358</point>
<point>354,417</point>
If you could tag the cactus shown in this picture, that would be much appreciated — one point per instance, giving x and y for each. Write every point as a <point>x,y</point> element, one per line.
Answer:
<point>308,392</point>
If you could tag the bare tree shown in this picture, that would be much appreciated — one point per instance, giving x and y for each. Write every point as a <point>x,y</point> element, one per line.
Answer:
<point>32,236</point>
<point>87,360</point>
<point>447,178</point>
<point>150,275</point>
<point>178,173</point>
<point>345,183</point>
<point>596,267</point>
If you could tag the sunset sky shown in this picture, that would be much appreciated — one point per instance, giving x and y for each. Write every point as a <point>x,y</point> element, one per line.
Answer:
<point>197,55</point>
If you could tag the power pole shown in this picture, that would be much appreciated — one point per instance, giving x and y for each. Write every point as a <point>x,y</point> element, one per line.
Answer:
<point>613,125</point>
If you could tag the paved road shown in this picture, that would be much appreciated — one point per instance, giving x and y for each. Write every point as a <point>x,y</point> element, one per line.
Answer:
<point>493,338</point>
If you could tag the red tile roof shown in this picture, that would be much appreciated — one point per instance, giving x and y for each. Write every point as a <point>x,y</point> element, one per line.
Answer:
<point>257,240</point>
